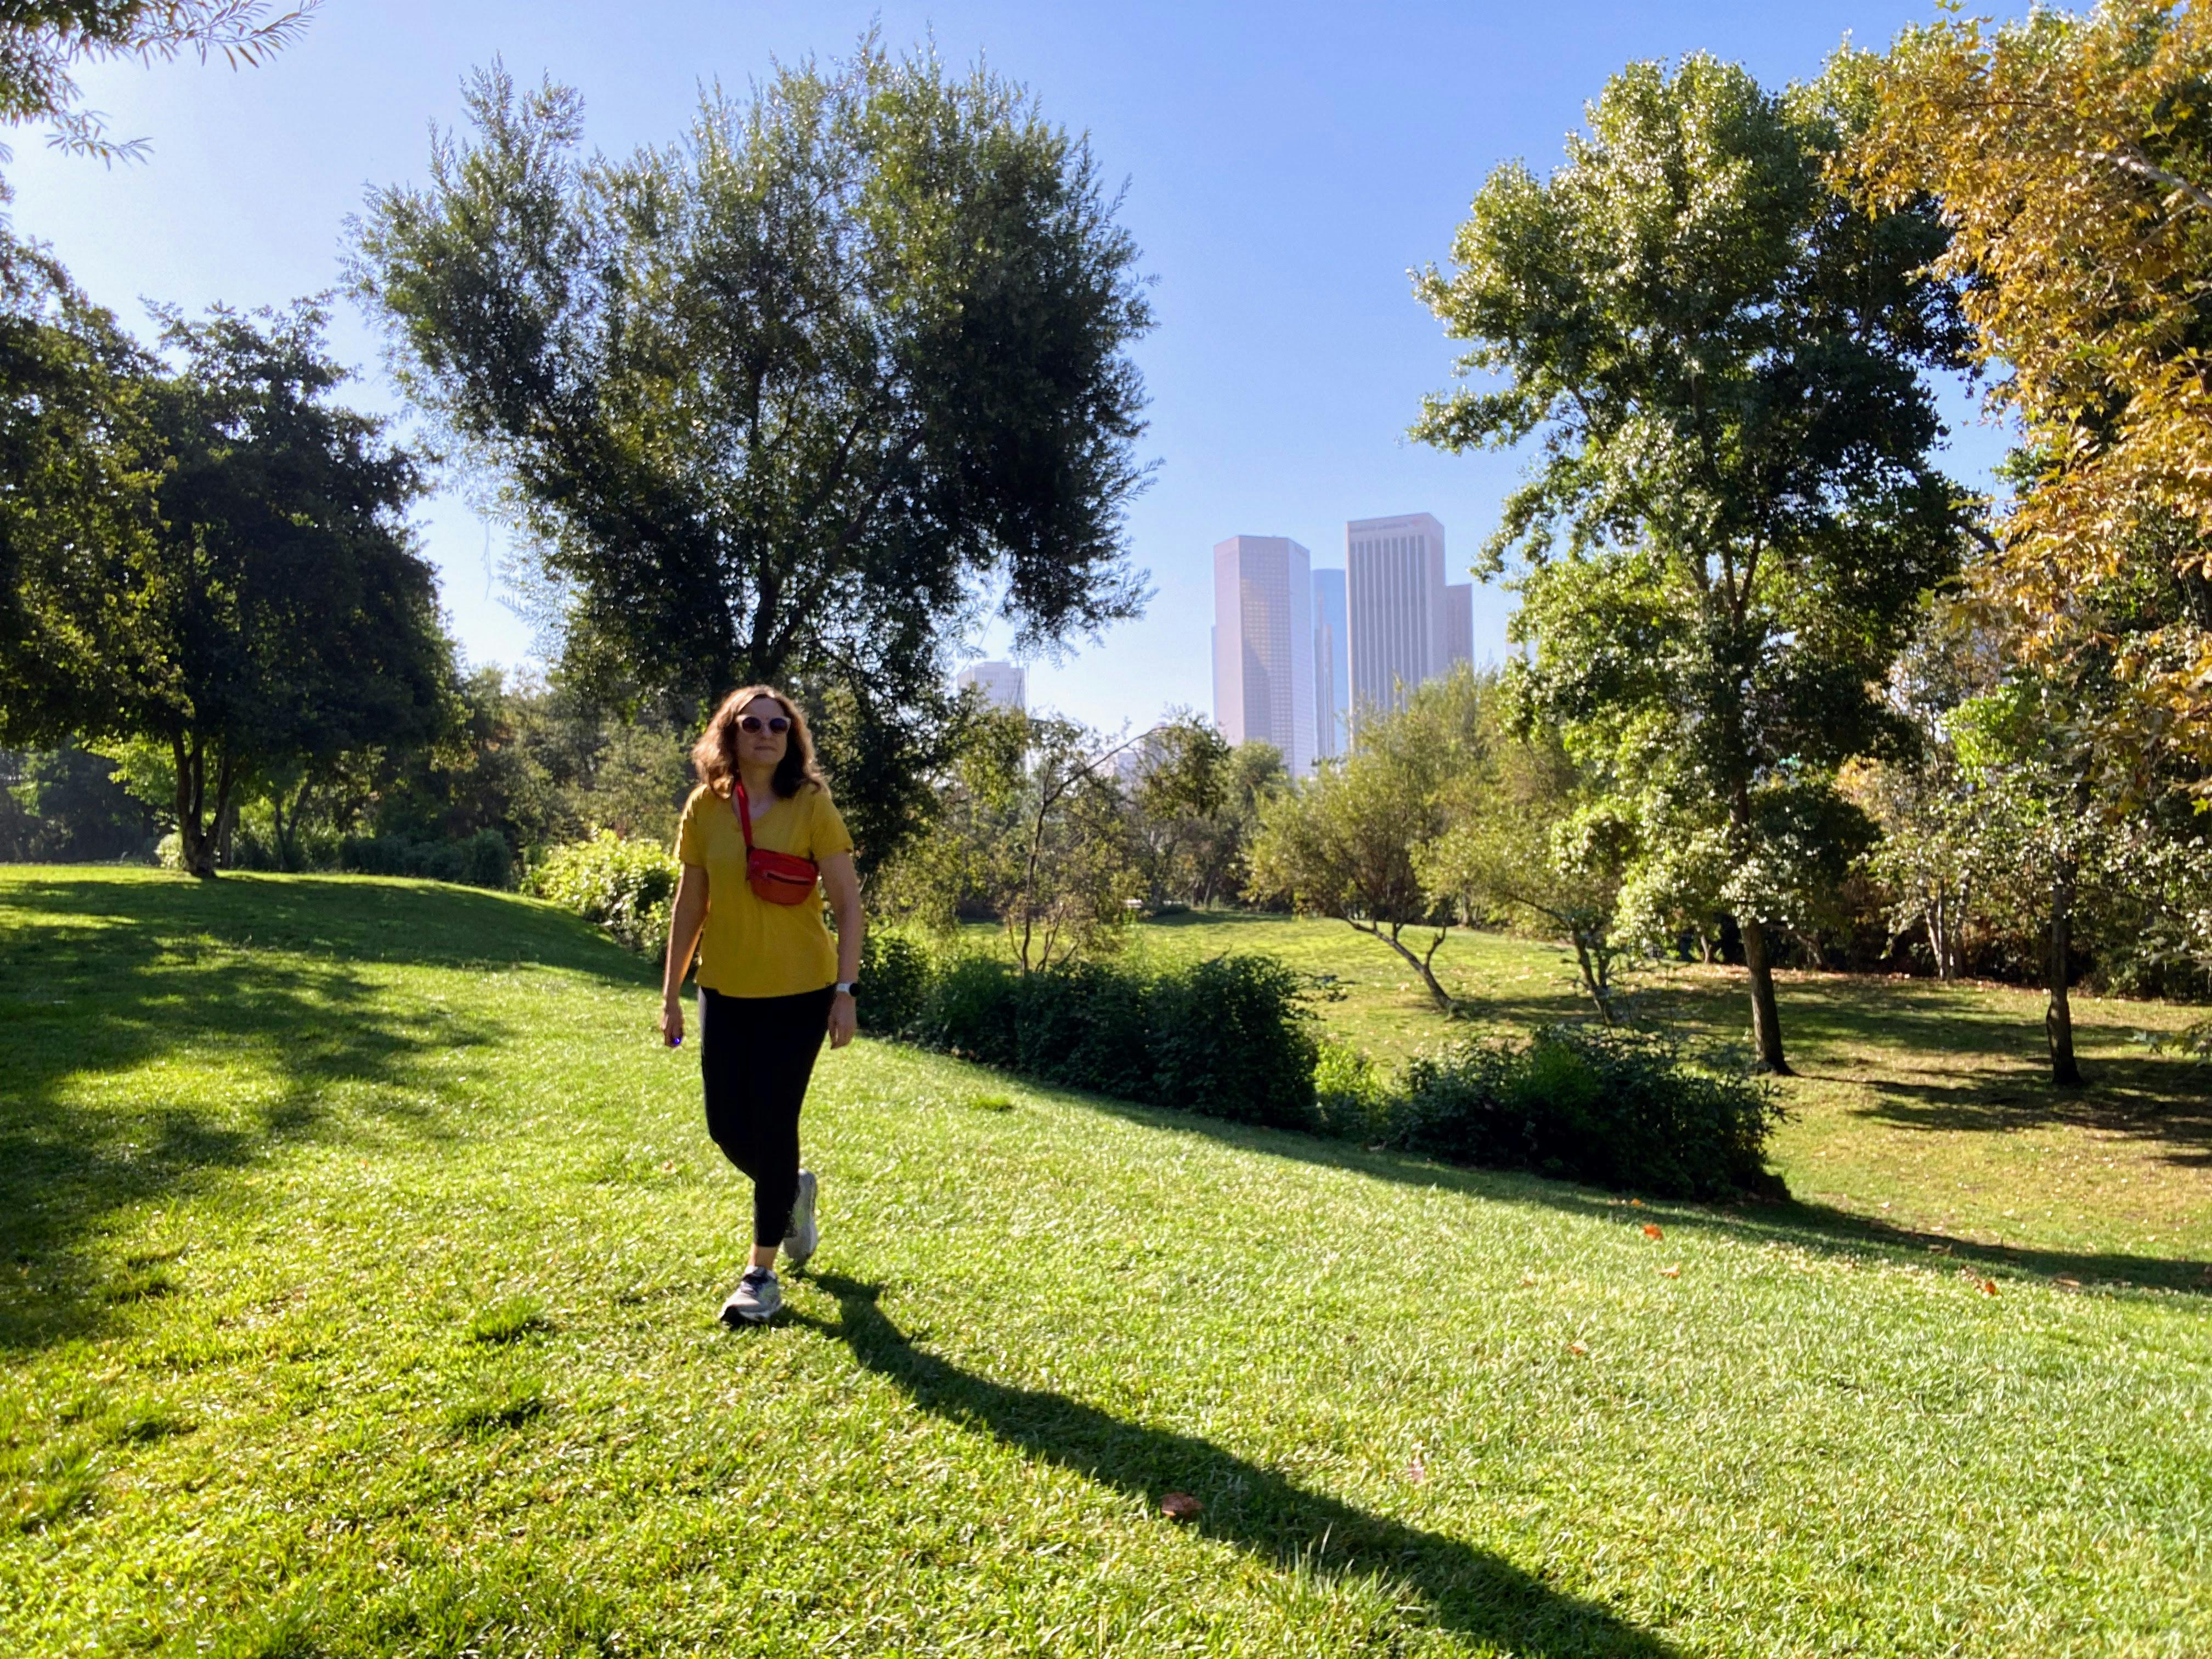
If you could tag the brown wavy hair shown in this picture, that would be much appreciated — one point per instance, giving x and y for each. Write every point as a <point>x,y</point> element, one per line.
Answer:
<point>714,757</point>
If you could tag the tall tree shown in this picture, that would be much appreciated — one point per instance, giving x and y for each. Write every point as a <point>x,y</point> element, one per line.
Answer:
<point>300,621</point>
<point>1719,359</point>
<point>2073,158</point>
<point>792,399</point>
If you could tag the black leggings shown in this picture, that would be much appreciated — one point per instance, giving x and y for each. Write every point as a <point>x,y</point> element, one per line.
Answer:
<point>755,1054</point>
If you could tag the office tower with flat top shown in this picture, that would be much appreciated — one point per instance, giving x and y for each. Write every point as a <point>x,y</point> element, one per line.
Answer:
<point>1263,646</point>
<point>1394,606</point>
<point>1332,667</point>
<point>1458,625</point>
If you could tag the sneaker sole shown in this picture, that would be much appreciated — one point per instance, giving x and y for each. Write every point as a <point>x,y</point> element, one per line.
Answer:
<point>734,1317</point>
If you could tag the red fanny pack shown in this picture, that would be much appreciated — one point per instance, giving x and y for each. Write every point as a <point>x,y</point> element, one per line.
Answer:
<point>778,878</point>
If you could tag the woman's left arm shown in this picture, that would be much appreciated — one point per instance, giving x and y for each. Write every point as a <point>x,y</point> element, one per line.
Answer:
<point>843,883</point>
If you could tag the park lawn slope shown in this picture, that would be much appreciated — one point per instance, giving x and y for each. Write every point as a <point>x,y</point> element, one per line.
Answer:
<point>364,1249</point>
<point>1918,1109</point>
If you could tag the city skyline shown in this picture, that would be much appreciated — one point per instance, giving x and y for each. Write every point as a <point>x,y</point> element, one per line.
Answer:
<point>1291,355</point>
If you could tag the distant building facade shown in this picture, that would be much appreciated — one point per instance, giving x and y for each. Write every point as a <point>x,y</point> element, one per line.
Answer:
<point>1395,607</point>
<point>1263,646</point>
<point>1004,683</point>
<point>1332,666</point>
<point>1459,624</point>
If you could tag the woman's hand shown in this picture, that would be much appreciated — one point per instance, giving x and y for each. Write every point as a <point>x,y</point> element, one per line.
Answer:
<point>844,1019</point>
<point>672,1021</point>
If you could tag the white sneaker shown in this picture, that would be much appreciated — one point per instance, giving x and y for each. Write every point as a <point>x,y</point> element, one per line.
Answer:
<point>756,1300</point>
<point>805,1233</point>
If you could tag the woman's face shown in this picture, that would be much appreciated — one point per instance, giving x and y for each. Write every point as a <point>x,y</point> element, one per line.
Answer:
<point>758,745</point>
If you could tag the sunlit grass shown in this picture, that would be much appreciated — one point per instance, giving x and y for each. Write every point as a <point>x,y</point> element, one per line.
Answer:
<point>394,1334</point>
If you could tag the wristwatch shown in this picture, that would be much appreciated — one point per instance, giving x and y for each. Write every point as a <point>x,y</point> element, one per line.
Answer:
<point>849,987</point>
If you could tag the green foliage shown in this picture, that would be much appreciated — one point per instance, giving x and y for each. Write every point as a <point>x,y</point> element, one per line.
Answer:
<point>1352,1094</point>
<point>895,973</point>
<point>1229,1038</point>
<point>43,41</point>
<point>1720,360</point>
<point>1355,841</point>
<point>481,861</point>
<point>1031,827</point>
<point>777,401</point>
<point>1614,1107</point>
<point>77,637</point>
<point>627,886</point>
<point>65,804</point>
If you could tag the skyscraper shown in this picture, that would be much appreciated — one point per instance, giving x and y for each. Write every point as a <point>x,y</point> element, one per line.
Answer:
<point>1459,624</point>
<point>1332,666</point>
<point>1394,604</point>
<point>1004,683</point>
<point>1263,651</point>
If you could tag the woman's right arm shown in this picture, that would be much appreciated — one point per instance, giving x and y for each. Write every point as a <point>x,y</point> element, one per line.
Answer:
<point>688,916</point>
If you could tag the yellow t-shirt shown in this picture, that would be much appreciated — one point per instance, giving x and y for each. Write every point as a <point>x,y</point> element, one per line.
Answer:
<point>750,947</point>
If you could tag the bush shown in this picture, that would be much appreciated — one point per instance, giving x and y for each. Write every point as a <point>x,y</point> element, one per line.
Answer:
<point>1232,1037</point>
<point>1352,1094</point>
<point>1615,1108</point>
<point>626,887</point>
<point>894,983</point>
<point>1229,1038</point>
<point>481,861</point>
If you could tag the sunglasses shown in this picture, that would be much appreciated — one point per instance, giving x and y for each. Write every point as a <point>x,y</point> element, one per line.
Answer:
<point>774,723</point>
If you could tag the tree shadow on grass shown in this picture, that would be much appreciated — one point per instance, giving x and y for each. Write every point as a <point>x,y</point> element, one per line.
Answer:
<point>1809,1226</point>
<point>1471,1592</point>
<point>259,987</point>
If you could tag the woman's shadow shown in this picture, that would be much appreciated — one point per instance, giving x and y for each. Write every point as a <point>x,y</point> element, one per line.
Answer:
<point>1468,1590</point>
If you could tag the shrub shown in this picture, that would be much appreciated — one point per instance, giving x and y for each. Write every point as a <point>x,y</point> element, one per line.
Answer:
<point>969,1010</point>
<point>893,982</point>
<point>626,887</point>
<point>1353,1096</point>
<point>1616,1108</point>
<point>1229,1038</point>
<point>480,861</point>
<point>1232,1037</point>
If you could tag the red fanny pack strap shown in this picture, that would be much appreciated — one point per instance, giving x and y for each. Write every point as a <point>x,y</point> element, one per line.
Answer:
<point>744,812</point>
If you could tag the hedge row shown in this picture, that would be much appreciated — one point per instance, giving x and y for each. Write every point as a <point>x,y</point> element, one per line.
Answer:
<point>1234,1038</point>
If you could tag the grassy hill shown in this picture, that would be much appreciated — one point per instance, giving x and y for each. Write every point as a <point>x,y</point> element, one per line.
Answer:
<point>362,1252</point>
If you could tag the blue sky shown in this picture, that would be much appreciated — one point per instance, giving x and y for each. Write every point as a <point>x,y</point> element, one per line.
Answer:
<point>1285,164</point>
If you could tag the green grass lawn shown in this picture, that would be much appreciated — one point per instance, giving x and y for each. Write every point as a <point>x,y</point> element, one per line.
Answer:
<point>363,1249</point>
<point>1920,1107</point>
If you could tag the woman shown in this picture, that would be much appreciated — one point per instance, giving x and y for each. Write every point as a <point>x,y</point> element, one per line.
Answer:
<point>771,980</point>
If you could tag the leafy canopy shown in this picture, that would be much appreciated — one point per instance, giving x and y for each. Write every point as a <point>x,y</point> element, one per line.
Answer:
<point>797,398</point>
<point>2073,158</point>
<point>1731,510</point>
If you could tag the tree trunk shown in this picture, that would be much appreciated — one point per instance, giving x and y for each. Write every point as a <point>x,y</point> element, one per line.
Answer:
<point>2058,1017</point>
<point>1437,992</point>
<point>1766,1018</point>
<point>194,847</point>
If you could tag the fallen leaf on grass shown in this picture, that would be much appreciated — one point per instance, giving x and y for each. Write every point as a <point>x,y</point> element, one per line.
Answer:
<point>2070,1283</point>
<point>1989,1287</point>
<point>1670,1273</point>
<point>1181,1506</point>
<point>1652,1230</point>
<point>1528,1279</point>
<point>1577,1347</point>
